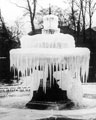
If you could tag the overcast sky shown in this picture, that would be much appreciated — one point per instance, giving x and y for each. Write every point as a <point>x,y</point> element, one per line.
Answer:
<point>10,12</point>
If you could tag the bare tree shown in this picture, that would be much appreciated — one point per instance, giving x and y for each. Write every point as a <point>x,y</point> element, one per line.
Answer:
<point>73,16</point>
<point>92,9</point>
<point>30,9</point>
<point>17,29</point>
<point>71,13</point>
<point>81,24</point>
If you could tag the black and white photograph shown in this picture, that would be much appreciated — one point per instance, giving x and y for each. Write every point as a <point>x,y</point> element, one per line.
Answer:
<point>48,59</point>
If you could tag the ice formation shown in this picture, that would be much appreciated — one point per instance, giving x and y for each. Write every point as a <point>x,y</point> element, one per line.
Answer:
<point>75,60</point>
<point>54,54</point>
<point>50,23</point>
<point>58,40</point>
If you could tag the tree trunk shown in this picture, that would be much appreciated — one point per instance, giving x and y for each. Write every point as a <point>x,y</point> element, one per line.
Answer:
<point>33,27</point>
<point>90,27</point>
<point>32,15</point>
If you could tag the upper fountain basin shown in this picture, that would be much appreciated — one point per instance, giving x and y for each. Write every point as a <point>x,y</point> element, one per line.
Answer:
<point>58,40</point>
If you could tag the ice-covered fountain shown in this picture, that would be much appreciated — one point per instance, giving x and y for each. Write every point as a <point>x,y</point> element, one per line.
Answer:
<point>56,67</point>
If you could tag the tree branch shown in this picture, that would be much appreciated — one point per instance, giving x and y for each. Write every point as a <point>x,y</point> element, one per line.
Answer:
<point>20,6</point>
<point>94,5</point>
<point>34,8</point>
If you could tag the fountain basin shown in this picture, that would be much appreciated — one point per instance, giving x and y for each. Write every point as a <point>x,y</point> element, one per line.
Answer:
<point>58,40</point>
<point>14,107</point>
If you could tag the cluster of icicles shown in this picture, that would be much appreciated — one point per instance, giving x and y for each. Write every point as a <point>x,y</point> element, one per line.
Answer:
<point>42,62</point>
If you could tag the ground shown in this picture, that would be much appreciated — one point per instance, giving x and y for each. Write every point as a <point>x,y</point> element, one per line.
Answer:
<point>12,106</point>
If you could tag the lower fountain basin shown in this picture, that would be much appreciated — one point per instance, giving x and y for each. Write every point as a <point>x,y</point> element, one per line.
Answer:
<point>11,107</point>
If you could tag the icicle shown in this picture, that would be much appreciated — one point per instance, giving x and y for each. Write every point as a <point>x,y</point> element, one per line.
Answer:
<point>87,68</point>
<point>37,73</point>
<point>17,62</point>
<point>14,70</point>
<point>50,74</point>
<point>61,74</point>
<point>56,68</point>
<point>46,74</point>
<point>30,67</point>
<point>76,67</point>
<point>18,74</point>
<point>44,78</point>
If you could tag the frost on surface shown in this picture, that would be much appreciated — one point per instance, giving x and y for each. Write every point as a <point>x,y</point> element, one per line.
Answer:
<point>69,64</point>
<point>58,40</point>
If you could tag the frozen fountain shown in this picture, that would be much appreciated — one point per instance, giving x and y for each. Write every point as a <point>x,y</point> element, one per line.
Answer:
<point>56,67</point>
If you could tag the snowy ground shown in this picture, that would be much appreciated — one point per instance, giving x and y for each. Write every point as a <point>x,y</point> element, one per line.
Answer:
<point>12,107</point>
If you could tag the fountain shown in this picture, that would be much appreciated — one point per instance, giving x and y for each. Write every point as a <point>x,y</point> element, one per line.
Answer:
<point>56,67</point>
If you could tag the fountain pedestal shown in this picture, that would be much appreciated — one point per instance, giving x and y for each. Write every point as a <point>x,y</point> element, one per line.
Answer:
<point>54,98</point>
